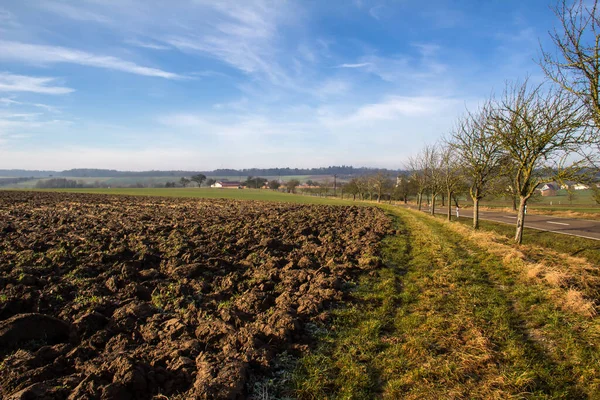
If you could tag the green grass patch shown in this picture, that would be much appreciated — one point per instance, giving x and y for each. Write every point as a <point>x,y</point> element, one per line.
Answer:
<point>445,319</point>
<point>580,200</point>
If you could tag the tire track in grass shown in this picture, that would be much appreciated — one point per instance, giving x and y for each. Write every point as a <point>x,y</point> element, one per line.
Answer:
<point>490,335</point>
<point>342,363</point>
<point>444,319</point>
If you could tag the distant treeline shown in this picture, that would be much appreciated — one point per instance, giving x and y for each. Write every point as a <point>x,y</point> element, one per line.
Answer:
<point>14,181</point>
<point>333,170</point>
<point>111,173</point>
<point>58,183</point>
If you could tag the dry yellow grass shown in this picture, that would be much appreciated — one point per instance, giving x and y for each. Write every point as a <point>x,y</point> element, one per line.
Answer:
<point>556,278</point>
<point>575,302</point>
<point>534,271</point>
<point>577,279</point>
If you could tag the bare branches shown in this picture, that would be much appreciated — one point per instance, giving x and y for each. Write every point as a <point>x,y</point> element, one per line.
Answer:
<point>530,134</point>
<point>575,65</point>
<point>536,127</point>
<point>478,152</point>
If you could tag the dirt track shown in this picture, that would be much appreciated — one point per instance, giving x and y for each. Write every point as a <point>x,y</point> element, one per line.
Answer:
<point>128,297</point>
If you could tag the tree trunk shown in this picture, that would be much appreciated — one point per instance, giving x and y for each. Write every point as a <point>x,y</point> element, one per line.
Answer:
<point>449,206</point>
<point>379,195</point>
<point>475,213</point>
<point>433,196</point>
<point>514,201</point>
<point>443,200</point>
<point>419,200</point>
<point>520,220</point>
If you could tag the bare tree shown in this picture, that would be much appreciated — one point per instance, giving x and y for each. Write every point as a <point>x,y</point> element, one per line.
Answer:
<point>416,165</point>
<point>575,65</point>
<point>596,192</point>
<point>365,187</point>
<point>388,189</point>
<point>403,188</point>
<point>379,181</point>
<point>536,127</point>
<point>352,187</point>
<point>575,62</point>
<point>450,174</point>
<point>184,181</point>
<point>432,163</point>
<point>291,185</point>
<point>274,184</point>
<point>479,154</point>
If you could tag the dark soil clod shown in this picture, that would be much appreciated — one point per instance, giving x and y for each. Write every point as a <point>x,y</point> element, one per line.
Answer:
<point>108,297</point>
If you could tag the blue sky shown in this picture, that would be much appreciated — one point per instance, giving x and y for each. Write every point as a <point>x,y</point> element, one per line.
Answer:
<point>205,84</point>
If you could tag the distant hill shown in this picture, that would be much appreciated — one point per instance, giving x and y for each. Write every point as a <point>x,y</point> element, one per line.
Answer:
<point>111,173</point>
<point>24,173</point>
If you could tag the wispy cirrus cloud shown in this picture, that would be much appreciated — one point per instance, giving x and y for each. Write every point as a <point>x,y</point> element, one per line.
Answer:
<point>377,12</point>
<point>332,87</point>
<point>146,45</point>
<point>7,102</point>
<point>7,20</point>
<point>242,35</point>
<point>75,13</point>
<point>24,125</point>
<point>22,83</point>
<point>42,54</point>
<point>246,36</point>
<point>396,106</point>
<point>402,68</point>
<point>357,65</point>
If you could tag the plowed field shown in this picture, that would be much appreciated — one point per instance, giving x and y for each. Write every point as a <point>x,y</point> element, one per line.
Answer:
<point>137,297</point>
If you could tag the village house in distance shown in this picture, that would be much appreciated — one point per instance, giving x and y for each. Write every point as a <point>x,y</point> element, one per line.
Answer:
<point>226,185</point>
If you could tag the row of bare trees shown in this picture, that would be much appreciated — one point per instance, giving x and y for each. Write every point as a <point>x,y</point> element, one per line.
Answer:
<point>378,187</point>
<point>529,134</point>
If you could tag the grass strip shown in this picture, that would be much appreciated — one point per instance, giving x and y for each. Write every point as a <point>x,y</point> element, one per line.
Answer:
<point>571,245</point>
<point>445,319</point>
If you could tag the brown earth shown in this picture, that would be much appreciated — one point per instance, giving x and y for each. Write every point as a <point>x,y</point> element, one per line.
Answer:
<point>115,297</point>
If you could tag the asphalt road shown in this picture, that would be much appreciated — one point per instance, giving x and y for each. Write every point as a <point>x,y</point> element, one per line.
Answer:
<point>566,226</point>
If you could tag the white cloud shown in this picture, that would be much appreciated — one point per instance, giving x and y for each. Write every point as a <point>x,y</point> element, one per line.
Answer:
<point>7,102</point>
<point>75,13</point>
<point>25,125</point>
<point>377,12</point>
<point>403,68</point>
<point>22,83</point>
<point>427,50</point>
<point>7,20</point>
<point>10,102</point>
<point>332,87</point>
<point>393,111</point>
<point>397,106</point>
<point>40,54</point>
<point>226,127</point>
<point>93,157</point>
<point>381,133</point>
<point>357,65</point>
<point>146,45</point>
<point>377,134</point>
<point>243,35</point>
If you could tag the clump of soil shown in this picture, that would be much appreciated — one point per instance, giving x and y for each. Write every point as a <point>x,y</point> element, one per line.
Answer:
<point>108,297</point>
